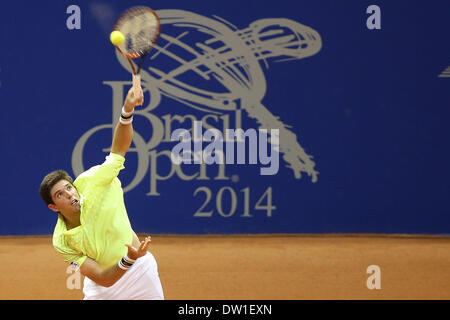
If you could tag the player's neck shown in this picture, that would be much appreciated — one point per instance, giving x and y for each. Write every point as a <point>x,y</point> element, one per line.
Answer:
<point>71,220</point>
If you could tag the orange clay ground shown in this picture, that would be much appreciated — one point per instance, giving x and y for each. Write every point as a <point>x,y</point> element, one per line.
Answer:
<point>275,267</point>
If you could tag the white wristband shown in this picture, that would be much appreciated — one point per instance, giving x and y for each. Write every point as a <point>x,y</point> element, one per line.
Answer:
<point>121,266</point>
<point>125,122</point>
<point>125,263</point>
<point>126,114</point>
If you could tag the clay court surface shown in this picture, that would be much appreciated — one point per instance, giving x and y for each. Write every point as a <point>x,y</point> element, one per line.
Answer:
<point>275,267</point>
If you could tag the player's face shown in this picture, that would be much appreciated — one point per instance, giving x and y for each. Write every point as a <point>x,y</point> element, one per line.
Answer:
<point>65,197</point>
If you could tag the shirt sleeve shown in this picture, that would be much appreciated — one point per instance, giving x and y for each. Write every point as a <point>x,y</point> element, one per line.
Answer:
<point>75,260</point>
<point>102,174</point>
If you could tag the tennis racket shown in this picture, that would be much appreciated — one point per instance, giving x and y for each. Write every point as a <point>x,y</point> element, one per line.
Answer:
<point>140,26</point>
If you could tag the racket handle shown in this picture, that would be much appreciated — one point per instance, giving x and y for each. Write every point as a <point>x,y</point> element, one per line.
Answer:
<point>136,84</point>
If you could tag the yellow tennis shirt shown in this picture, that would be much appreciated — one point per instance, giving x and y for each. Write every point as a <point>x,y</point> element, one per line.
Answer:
<point>105,227</point>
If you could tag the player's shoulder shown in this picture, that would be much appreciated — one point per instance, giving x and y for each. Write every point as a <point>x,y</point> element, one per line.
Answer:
<point>58,239</point>
<point>81,181</point>
<point>111,159</point>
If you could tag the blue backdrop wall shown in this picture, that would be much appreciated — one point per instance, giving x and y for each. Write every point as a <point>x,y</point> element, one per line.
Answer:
<point>362,112</point>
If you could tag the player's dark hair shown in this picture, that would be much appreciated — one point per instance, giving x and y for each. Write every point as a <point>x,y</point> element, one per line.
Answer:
<point>49,181</point>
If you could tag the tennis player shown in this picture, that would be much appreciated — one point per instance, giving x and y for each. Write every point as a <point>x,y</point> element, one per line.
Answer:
<point>93,231</point>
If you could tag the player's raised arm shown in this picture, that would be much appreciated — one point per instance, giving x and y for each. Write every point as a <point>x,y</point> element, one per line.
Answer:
<point>123,133</point>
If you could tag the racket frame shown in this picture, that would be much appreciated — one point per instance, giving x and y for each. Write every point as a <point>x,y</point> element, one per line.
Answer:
<point>131,12</point>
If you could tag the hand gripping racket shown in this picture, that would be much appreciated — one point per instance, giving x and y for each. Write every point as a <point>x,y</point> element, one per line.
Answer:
<point>140,26</point>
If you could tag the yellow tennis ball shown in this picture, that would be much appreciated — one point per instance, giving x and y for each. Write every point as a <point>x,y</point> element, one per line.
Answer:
<point>116,38</point>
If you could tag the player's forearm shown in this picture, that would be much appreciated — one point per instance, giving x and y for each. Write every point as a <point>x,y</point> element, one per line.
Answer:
<point>123,135</point>
<point>110,276</point>
<point>107,277</point>
<point>104,277</point>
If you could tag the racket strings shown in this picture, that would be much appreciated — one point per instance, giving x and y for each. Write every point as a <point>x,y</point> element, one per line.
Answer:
<point>140,33</point>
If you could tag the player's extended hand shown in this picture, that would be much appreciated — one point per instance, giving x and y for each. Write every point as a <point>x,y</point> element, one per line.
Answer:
<point>131,101</point>
<point>134,253</point>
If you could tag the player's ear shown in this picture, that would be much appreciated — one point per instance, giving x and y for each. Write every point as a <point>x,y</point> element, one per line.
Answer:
<point>53,207</point>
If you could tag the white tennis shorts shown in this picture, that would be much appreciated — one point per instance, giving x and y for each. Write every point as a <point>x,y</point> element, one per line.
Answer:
<point>140,282</point>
